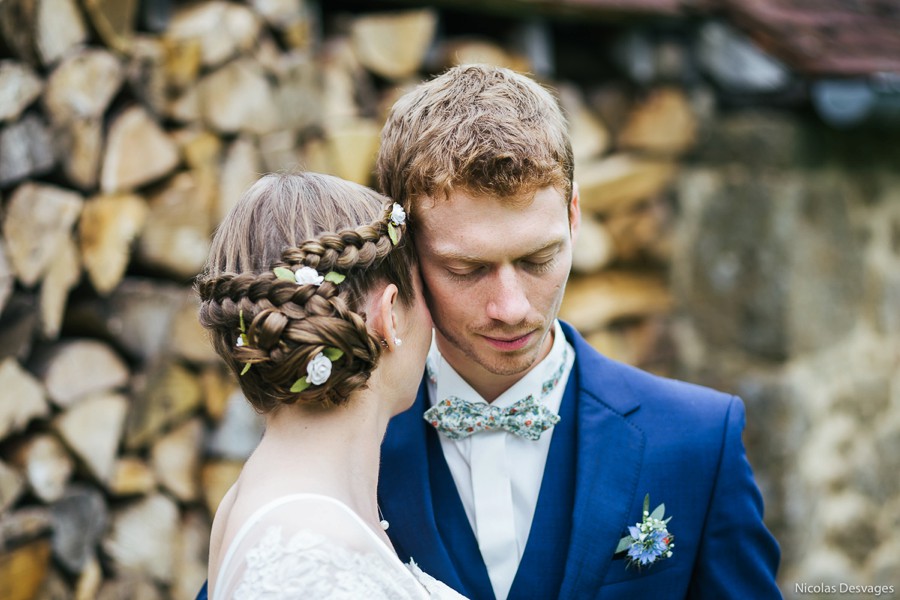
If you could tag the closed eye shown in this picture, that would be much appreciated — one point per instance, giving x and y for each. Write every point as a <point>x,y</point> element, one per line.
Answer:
<point>540,266</point>
<point>542,261</point>
<point>465,274</point>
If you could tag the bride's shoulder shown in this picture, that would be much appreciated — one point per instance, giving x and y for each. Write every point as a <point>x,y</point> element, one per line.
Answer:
<point>218,531</point>
<point>310,546</point>
<point>314,515</point>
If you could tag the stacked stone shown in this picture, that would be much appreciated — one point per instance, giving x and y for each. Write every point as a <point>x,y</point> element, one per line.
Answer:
<point>786,272</point>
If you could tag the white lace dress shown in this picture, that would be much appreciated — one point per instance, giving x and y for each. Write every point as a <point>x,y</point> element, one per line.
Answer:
<point>315,547</point>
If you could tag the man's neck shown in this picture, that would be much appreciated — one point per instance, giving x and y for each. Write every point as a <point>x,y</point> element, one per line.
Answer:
<point>489,385</point>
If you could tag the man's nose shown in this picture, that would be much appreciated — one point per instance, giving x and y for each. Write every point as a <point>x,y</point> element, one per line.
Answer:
<point>508,301</point>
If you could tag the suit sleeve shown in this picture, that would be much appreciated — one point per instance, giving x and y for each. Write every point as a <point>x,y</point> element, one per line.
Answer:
<point>738,557</point>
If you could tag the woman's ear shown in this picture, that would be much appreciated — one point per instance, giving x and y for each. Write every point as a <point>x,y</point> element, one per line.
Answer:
<point>384,317</point>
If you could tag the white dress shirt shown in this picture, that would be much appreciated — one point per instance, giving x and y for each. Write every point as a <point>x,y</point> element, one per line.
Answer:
<point>497,474</point>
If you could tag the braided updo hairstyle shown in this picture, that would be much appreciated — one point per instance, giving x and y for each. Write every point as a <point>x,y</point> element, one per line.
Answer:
<point>291,222</point>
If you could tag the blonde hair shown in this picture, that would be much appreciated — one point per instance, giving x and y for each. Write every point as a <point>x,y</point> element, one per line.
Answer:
<point>295,221</point>
<point>483,129</point>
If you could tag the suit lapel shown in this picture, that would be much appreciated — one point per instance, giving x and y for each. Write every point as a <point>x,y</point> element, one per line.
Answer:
<point>453,525</point>
<point>610,453</point>
<point>405,495</point>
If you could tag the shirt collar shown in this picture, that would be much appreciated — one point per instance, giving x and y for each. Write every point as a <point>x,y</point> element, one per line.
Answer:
<point>449,383</point>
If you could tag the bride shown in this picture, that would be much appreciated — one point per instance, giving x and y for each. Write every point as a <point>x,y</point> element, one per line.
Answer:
<point>328,335</point>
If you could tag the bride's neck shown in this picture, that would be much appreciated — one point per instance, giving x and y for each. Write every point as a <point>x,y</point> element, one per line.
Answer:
<point>333,452</point>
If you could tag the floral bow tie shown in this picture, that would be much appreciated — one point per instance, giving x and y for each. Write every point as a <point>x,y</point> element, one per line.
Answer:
<point>457,418</point>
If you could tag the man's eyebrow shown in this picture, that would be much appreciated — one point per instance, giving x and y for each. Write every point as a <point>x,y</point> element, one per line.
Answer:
<point>453,255</point>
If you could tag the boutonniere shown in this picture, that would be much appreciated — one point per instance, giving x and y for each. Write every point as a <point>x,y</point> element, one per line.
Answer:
<point>649,541</point>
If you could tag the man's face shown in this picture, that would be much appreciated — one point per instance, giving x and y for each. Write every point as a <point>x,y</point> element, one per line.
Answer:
<point>494,273</point>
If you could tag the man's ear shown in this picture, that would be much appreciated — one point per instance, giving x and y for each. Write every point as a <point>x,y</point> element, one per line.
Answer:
<point>574,212</point>
<point>383,319</point>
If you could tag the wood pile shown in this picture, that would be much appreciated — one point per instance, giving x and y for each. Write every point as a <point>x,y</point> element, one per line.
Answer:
<point>120,151</point>
<point>626,158</point>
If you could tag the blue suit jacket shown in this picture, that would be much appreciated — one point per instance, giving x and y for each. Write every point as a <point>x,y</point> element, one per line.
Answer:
<point>627,434</point>
<point>634,434</point>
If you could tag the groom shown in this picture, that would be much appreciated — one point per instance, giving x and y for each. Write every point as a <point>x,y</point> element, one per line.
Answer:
<point>481,159</point>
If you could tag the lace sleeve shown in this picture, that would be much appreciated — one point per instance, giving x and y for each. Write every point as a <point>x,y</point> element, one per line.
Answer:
<point>311,547</point>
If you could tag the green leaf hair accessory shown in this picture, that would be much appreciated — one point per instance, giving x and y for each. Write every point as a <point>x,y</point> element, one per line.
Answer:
<point>242,340</point>
<point>283,273</point>
<point>333,354</point>
<point>318,370</point>
<point>334,277</point>
<point>300,385</point>
<point>398,218</point>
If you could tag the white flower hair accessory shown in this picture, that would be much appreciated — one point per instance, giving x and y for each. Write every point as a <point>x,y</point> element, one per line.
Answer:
<point>398,218</point>
<point>308,276</point>
<point>398,215</point>
<point>318,370</point>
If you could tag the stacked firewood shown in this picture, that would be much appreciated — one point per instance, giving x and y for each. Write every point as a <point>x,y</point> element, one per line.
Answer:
<point>120,150</point>
<point>618,296</point>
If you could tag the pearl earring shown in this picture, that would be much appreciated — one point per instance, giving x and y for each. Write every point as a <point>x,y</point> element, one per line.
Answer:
<point>398,342</point>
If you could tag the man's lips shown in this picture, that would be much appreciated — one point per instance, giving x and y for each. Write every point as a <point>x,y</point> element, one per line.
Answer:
<point>509,343</point>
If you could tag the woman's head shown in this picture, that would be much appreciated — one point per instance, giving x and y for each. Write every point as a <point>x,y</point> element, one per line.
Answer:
<point>286,227</point>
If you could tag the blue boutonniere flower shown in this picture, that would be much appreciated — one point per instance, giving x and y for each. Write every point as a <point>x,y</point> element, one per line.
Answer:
<point>649,541</point>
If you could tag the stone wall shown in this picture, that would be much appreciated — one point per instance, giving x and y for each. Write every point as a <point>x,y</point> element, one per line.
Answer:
<point>786,276</point>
